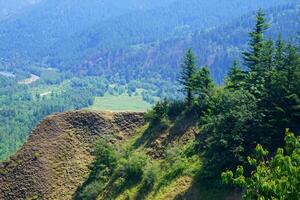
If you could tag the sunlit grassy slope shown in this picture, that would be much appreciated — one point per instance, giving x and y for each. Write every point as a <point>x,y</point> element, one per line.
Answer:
<point>120,103</point>
<point>157,162</point>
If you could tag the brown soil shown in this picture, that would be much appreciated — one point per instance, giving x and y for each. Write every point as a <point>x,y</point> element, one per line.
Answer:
<point>56,158</point>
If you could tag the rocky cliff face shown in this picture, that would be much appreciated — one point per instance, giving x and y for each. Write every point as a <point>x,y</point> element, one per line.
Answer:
<point>56,158</point>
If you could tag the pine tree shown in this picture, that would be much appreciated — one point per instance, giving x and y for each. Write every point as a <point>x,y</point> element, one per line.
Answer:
<point>291,66</point>
<point>252,56</point>
<point>236,77</point>
<point>267,56</point>
<point>280,104</point>
<point>255,57</point>
<point>279,54</point>
<point>188,70</point>
<point>202,82</point>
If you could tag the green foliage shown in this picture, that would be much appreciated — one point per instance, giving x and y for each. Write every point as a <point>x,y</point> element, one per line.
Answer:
<point>226,136</point>
<point>113,167</point>
<point>102,169</point>
<point>158,115</point>
<point>236,77</point>
<point>175,108</point>
<point>252,57</point>
<point>202,83</point>
<point>105,155</point>
<point>277,178</point>
<point>133,167</point>
<point>255,106</point>
<point>186,76</point>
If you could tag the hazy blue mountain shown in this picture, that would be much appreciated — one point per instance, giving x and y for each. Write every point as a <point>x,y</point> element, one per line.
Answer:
<point>55,20</point>
<point>216,47</point>
<point>64,33</point>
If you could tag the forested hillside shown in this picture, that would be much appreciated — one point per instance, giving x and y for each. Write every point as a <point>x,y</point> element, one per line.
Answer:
<point>67,31</point>
<point>216,47</point>
<point>52,21</point>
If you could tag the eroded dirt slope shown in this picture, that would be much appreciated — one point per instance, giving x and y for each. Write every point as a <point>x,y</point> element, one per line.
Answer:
<point>56,158</point>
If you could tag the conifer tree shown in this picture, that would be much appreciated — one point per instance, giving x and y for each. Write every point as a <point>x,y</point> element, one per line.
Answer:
<point>267,56</point>
<point>236,77</point>
<point>188,70</point>
<point>202,82</point>
<point>252,56</point>
<point>279,54</point>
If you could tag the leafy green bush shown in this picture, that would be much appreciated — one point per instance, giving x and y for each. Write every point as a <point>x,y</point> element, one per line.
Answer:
<point>175,108</point>
<point>134,166</point>
<point>101,171</point>
<point>150,177</point>
<point>105,154</point>
<point>226,137</point>
<point>158,115</point>
<point>278,178</point>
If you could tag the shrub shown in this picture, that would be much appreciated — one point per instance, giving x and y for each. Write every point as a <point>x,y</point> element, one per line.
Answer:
<point>150,177</point>
<point>278,178</point>
<point>175,108</point>
<point>134,166</point>
<point>105,154</point>
<point>158,114</point>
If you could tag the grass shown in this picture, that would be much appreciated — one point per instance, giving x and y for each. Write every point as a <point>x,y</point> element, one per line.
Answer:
<point>120,103</point>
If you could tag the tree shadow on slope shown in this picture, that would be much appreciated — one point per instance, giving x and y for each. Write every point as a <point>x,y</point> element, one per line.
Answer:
<point>149,135</point>
<point>181,126</point>
<point>204,190</point>
<point>143,192</point>
<point>120,185</point>
<point>158,137</point>
<point>90,189</point>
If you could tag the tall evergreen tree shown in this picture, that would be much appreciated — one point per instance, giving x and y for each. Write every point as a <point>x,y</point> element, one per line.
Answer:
<point>267,56</point>
<point>252,56</point>
<point>188,70</point>
<point>202,85</point>
<point>279,53</point>
<point>202,82</point>
<point>236,77</point>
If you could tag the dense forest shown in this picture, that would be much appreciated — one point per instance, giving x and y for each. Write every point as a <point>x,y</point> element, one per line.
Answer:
<point>248,130</point>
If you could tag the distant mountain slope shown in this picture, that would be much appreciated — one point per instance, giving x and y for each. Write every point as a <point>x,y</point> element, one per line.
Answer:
<point>56,158</point>
<point>34,33</point>
<point>216,47</point>
<point>70,28</point>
